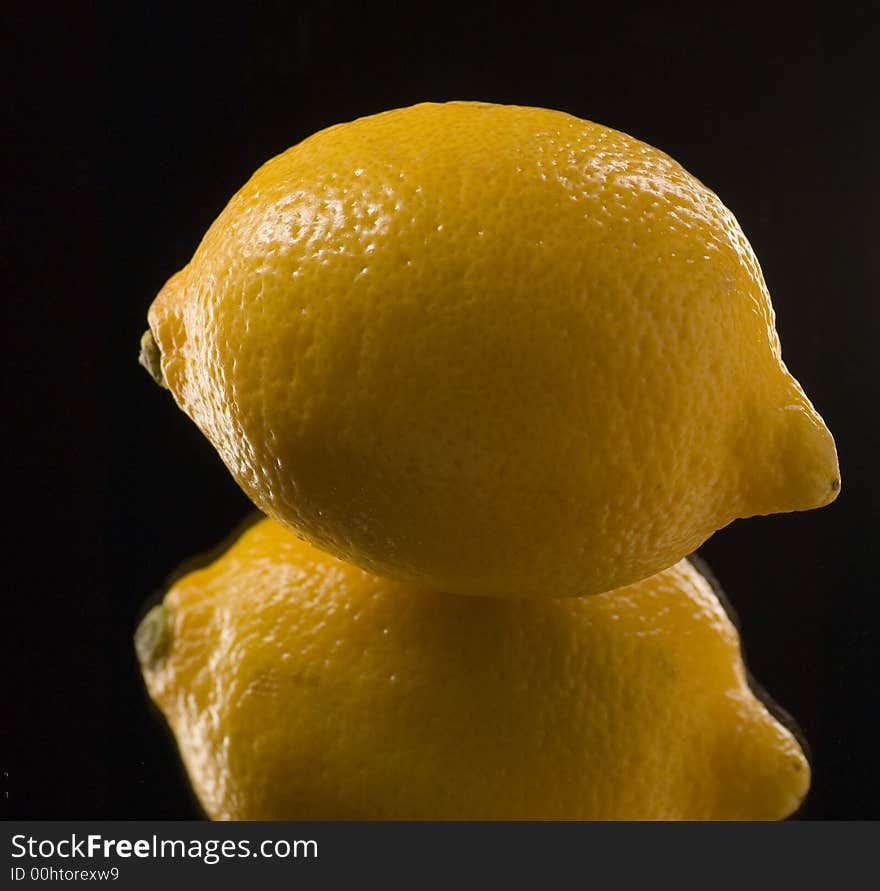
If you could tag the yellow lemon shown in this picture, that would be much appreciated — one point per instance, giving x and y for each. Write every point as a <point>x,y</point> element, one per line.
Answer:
<point>492,349</point>
<point>300,687</point>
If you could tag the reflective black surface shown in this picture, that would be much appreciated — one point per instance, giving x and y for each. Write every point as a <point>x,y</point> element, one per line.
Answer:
<point>127,133</point>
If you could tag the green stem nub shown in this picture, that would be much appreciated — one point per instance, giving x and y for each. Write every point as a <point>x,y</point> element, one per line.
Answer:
<point>151,358</point>
<point>152,640</point>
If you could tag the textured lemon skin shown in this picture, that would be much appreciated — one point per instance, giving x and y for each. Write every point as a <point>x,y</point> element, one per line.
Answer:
<point>498,350</point>
<point>300,687</point>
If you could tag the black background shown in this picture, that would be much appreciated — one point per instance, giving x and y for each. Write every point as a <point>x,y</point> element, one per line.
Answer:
<point>128,129</point>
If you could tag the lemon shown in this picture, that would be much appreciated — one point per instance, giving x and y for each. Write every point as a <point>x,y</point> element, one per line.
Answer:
<point>492,349</point>
<point>303,688</point>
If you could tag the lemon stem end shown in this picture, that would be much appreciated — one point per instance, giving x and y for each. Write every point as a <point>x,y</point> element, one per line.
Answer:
<point>152,640</point>
<point>151,358</point>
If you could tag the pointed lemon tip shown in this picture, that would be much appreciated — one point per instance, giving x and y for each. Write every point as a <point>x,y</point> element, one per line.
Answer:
<point>812,465</point>
<point>800,767</point>
<point>802,471</point>
<point>763,771</point>
<point>833,490</point>
<point>788,775</point>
